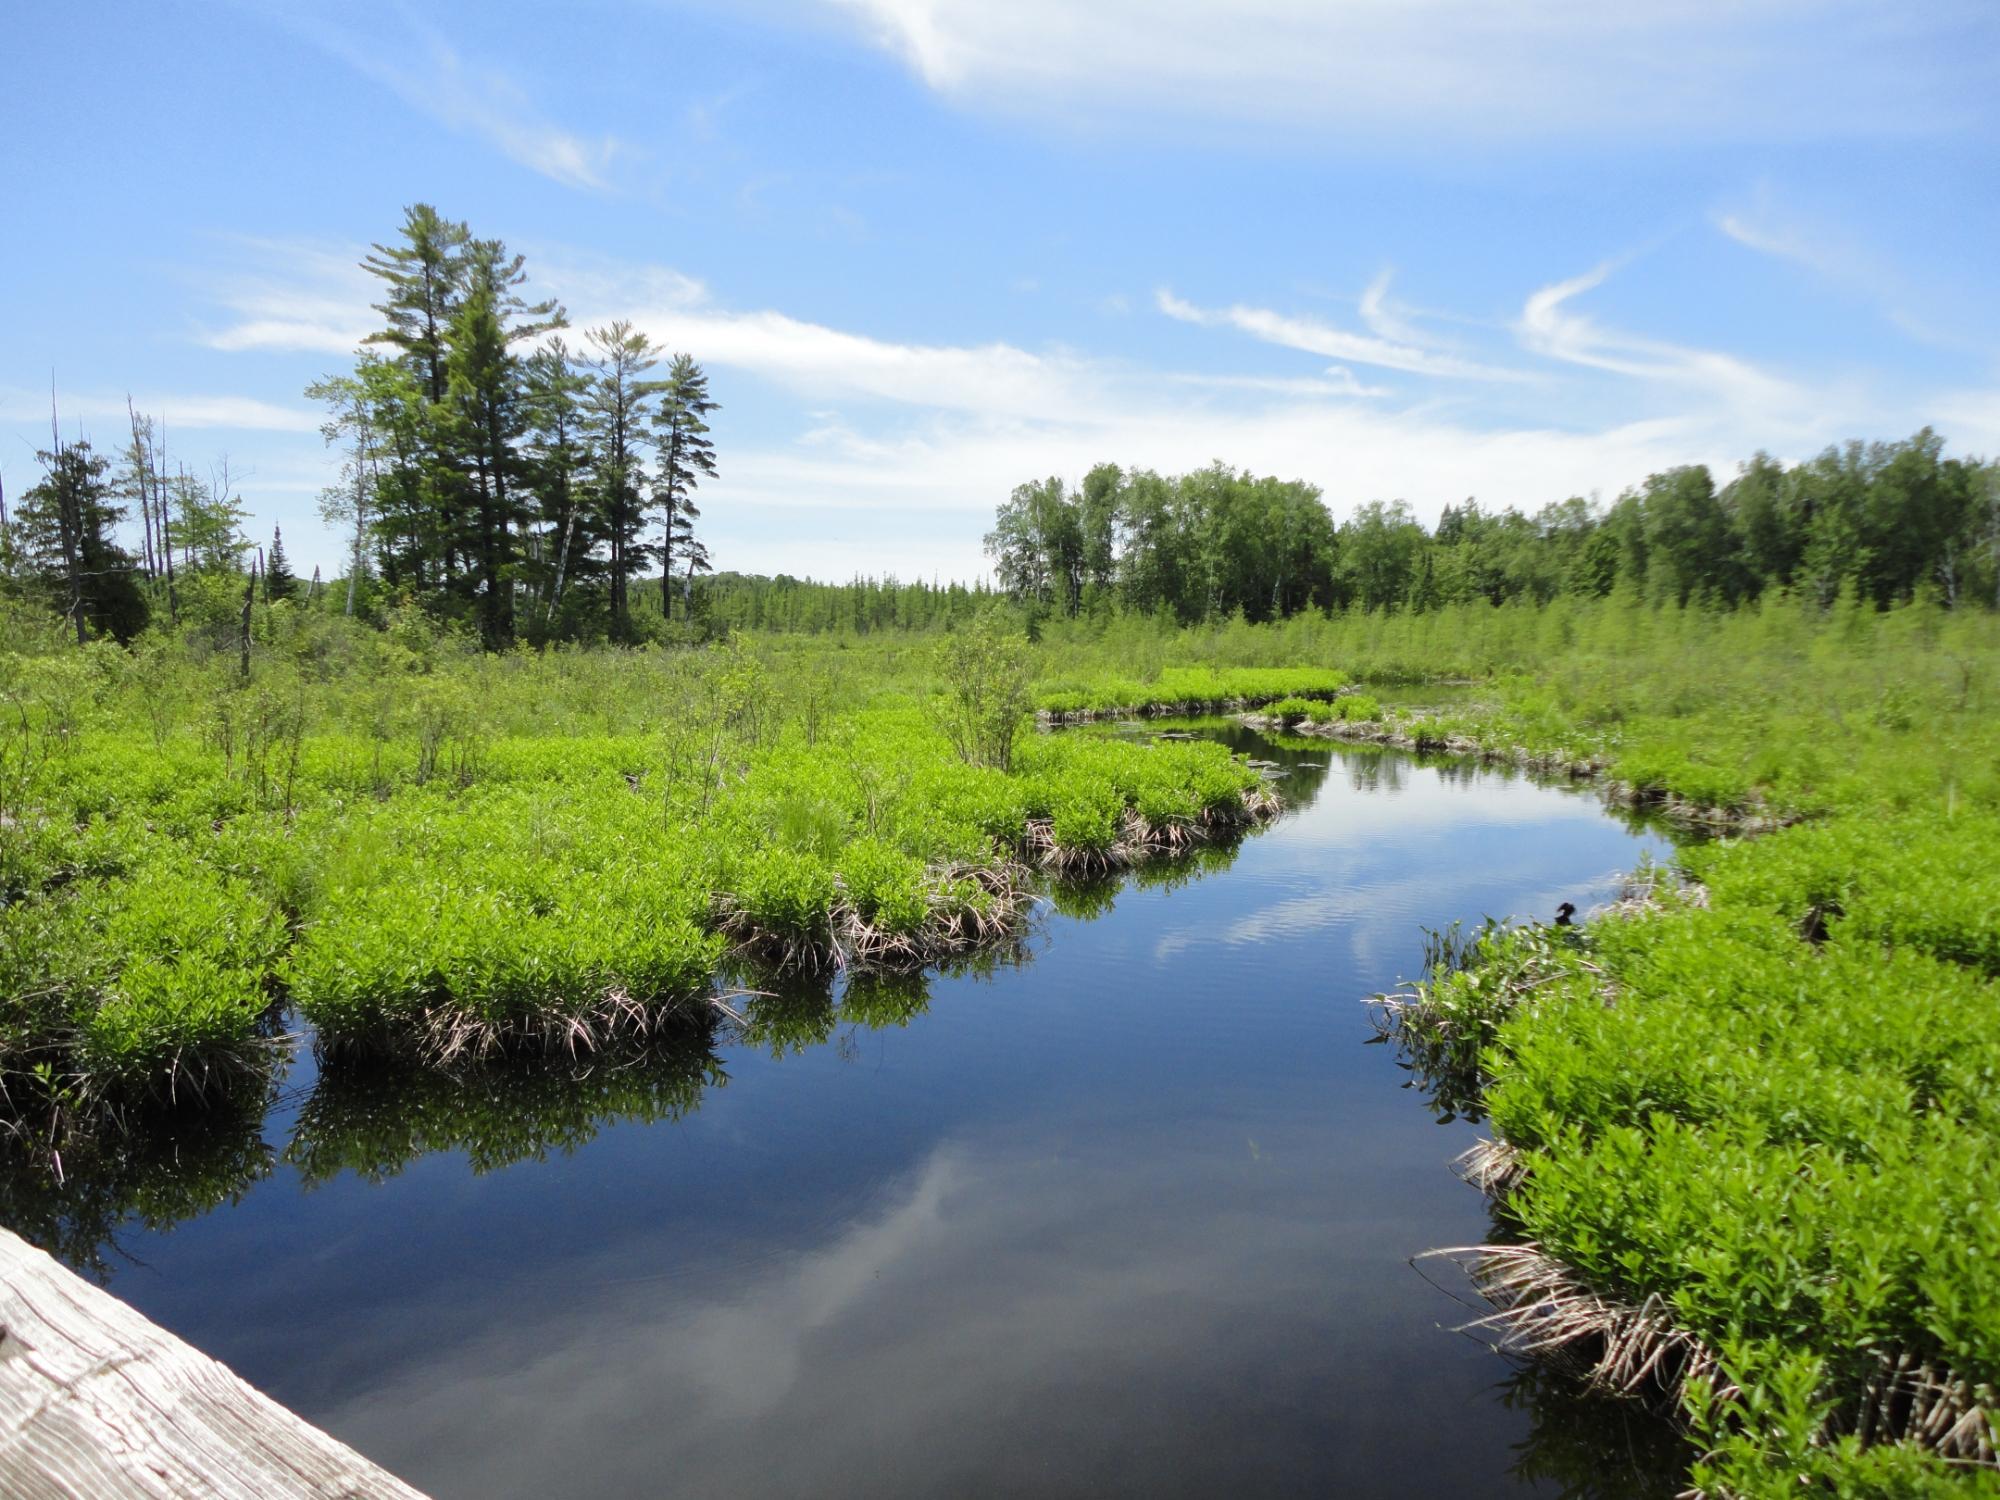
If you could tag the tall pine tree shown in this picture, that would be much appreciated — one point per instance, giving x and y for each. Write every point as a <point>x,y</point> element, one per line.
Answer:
<point>618,404</point>
<point>557,461</point>
<point>687,456</point>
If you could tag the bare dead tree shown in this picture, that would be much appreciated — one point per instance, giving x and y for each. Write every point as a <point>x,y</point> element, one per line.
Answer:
<point>166,530</point>
<point>249,598</point>
<point>141,461</point>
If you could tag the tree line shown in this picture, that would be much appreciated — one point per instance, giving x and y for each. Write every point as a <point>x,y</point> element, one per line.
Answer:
<point>862,606</point>
<point>491,474</point>
<point>1884,522</point>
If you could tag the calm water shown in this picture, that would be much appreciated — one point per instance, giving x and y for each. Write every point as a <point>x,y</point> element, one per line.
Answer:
<point>1132,1216</point>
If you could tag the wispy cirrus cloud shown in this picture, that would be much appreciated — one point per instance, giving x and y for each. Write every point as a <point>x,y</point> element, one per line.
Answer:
<point>291,296</point>
<point>1387,319</point>
<point>1550,327</point>
<point>1460,69</point>
<point>470,97</point>
<point>1840,260</point>
<point>1313,336</point>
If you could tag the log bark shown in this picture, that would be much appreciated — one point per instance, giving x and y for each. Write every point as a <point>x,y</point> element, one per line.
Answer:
<point>95,1401</point>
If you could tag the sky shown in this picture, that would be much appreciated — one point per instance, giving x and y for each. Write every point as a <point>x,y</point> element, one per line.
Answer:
<point>928,250</point>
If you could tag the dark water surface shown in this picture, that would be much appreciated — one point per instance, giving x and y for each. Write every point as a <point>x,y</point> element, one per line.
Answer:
<point>1131,1217</point>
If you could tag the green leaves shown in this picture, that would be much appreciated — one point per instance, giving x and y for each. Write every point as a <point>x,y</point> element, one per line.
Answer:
<point>1792,1141</point>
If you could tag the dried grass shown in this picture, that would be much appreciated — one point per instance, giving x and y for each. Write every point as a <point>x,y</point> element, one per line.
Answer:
<point>444,1036</point>
<point>1544,1310</point>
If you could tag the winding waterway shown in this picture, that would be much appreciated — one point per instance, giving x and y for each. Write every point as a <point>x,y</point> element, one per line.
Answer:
<point>1130,1216</point>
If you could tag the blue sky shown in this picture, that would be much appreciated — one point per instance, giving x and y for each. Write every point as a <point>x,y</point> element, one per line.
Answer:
<point>928,249</point>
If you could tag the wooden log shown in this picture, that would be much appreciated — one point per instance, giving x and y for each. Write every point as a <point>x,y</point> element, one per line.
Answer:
<point>95,1401</point>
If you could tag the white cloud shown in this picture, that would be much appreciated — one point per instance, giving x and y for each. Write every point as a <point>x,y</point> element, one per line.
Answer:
<point>1837,259</point>
<point>237,413</point>
<point>995,378</point>
<point>1316,337</point>
<point>317,303</point>
<point>1768,242</point>
<point>1386,319</point>
<point>472,98</point>
<point>1774,69</point>
<point>1548,327</point>
<point>967,465</point>
<point>1338,381</point>
<point>1972,420</point>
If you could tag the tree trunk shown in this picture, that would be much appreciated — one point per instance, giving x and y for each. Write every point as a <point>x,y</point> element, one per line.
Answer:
<point>249,598</point>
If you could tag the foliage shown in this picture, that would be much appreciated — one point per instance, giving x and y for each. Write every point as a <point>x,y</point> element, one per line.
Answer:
<point>1886,521</point>
<point>58,547</point>
<point>449,855</point>
<point>1781,1126</point>
<point>1182,690</point>
<point>985,693</point>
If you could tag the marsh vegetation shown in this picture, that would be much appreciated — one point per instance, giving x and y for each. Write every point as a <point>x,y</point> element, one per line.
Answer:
<point>1741,1129</point>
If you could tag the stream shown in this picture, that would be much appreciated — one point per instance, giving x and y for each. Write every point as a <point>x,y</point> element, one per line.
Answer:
<point>1131,1212</point>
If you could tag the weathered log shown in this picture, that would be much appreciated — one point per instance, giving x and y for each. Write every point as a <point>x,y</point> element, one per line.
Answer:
<point>95,1401</point>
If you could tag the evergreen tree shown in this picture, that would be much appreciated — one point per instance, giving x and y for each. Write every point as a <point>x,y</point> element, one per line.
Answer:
<point>61,539</point>
<point>484,421</point>
<point>280,582</point>
<point>687,456</point>
<point>556,465</point>
<point>425,275</point>
<point>617,407</point>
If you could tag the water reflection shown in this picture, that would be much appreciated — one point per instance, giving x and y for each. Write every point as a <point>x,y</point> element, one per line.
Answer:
<point>956,1333</point>
<point>788,1012</point>
<point>76,1204</point>
<point>1135,1215</point>
<point>1585,1446</point>
<point>374,1122</point>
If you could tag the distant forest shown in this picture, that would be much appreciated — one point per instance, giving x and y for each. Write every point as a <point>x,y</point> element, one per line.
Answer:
<point>1885,522</point>
<point>1879,523</point>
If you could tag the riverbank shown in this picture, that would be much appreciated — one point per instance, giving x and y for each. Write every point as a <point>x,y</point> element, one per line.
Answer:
<point>1742,1128</point>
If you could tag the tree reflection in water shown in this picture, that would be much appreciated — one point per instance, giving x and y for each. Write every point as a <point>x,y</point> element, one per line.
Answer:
<point>157,1171</point>
<point>376,1121</point>
<point>1585,1446</point>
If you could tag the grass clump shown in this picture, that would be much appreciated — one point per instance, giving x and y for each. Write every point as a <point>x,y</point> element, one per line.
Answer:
<point>146,986</point>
